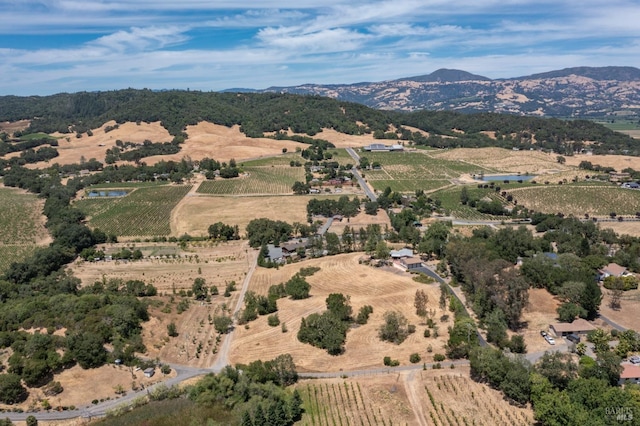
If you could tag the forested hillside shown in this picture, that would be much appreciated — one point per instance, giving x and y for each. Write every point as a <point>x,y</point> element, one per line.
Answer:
<point>267,112</point>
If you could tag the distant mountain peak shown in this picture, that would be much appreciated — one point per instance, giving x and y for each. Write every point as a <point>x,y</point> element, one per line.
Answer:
<point>445,75</point>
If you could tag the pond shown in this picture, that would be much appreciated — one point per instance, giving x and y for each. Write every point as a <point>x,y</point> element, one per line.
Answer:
<point>502,178</point>
<point>112,193</point>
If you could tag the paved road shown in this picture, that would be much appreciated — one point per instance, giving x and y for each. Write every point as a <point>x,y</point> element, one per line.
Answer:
<point>323,230</point>
<point>434,275</point>
<point>366,188</point>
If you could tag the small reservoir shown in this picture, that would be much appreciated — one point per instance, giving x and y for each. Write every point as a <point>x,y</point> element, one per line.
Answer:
<point>510,178</point>
<point>109,193</point>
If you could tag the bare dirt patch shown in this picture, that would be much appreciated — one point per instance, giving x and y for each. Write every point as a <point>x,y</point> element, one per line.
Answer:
<point>538,314</point>
<point>365,285</point>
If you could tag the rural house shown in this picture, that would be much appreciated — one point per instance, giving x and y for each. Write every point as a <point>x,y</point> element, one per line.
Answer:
<point>149,372</point>
<point>613,270</point>
<point>577,327</point>
<point>378,147</point>
<point>630,374</point>
<point>290,247</point>
<point>411,262</point>
<point>275,254</point>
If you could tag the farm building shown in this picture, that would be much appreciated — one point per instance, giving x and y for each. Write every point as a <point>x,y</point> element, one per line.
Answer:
<point>290,247</point>
<point>379,147</point>
<point>613,270</point>
<point>630,374</point>
<point>275,254</point>
<point>399,254</point>
<point>149,372</point>
<point>577,327</point>
<point>411,262</point>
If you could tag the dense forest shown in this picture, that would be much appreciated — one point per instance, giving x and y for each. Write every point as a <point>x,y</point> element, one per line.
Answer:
<point>259,113</point>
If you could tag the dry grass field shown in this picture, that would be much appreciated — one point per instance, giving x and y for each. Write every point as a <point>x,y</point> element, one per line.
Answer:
<point>224,143</point>
<point>504,160</point>
<point>218,264</point>
<point>384,290</point>
<point>193,215</point>
<point>628,228</point>
<point>82,386</point>
<point>361,220</point>
<point>433,397</point>
<point>618,162</point>
<point>627,316</point>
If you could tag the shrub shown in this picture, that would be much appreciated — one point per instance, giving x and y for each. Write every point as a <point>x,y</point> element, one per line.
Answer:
<point>390,362</point>
<point>273,320</point>
<point>363,314</point>
<point>414,358</point>
<point>427,333</point>
<point>438,357</point>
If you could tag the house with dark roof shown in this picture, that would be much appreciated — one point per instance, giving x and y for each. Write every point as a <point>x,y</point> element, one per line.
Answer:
<point>275,254</point>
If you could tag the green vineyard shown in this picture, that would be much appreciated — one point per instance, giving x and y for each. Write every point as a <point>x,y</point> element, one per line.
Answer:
<point>143,212</point>
<point>256,180</point>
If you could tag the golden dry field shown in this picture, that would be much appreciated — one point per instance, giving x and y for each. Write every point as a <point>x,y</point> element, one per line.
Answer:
<point>539,313</point>
<point>627,316</point>
<point>171,267</point>
<point>430,397</point>
<point>504,160</point>
<point>383,289</point>
<point>194,214</point>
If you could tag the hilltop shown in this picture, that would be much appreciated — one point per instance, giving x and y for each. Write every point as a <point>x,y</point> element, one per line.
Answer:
<point>571,92</point>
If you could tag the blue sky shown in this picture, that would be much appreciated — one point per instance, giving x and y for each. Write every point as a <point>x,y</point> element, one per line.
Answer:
<point>51,46</point>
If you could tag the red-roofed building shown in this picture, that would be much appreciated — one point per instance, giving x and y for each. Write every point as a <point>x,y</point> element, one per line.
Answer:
<point>630,374</point>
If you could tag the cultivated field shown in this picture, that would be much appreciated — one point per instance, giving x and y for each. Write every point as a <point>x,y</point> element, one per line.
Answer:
<point>21,226</point>
<point>384,290</point>
<point>193,215</point>
<point>504,160</point>
<point>143,212</point>
<point>577,200</point>
<point>434,397</point>
<point>409,171</point>
<point>256,180</point>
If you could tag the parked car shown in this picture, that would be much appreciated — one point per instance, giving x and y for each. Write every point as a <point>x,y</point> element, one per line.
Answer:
<point>543,333</point>
<point>635,359</point>
<point>573,338</point>
<point>550,340</point>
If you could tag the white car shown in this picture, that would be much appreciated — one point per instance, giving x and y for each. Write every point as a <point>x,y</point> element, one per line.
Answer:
<point>549,340</point>
<point>635,359</point>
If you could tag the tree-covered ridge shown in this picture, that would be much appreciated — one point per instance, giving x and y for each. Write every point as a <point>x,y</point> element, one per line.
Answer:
<point>259,113</point>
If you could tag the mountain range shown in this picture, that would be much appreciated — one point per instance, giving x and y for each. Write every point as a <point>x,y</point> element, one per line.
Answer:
<point>584,92</point>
